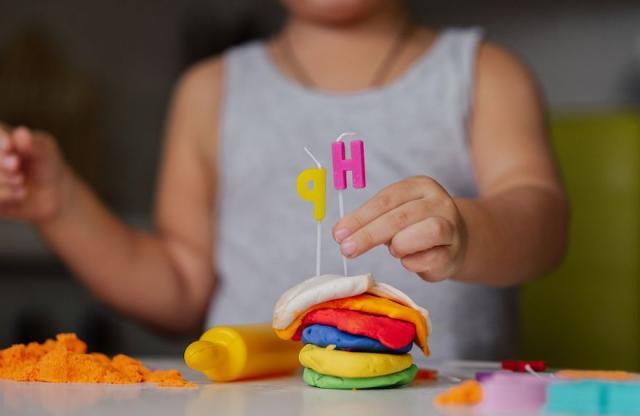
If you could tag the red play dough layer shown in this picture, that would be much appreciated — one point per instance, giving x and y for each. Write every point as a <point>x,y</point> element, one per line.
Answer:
<point>392,333</point>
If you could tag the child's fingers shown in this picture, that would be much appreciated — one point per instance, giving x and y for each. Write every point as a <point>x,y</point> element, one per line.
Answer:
<point>23,140</point>
<point>5,137</point>
<point>5,142</point>
<point>433,265</point>
<point>12,187</point>
<point>384,201</point>
<point>11,178</point>
<point>12,193</point>
<point>10,209</point>
<point>383,228</point>
<point>424,235</point>
<point>6,152</point>
<point>9,162</point>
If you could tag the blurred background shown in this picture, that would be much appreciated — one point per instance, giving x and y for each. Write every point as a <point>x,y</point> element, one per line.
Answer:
<point>98,75</point>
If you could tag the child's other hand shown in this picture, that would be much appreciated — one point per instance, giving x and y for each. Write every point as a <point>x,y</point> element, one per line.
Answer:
<point>417,219</point>
<point>33,175</point>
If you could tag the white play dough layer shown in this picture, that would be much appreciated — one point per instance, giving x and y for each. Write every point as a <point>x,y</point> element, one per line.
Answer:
<point>316,290</point>
<point>328,287</point>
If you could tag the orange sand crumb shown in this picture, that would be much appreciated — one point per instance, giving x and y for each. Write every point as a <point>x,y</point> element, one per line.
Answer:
<point>467,394</point>
<point>66,360</point>
<point>596,375</point>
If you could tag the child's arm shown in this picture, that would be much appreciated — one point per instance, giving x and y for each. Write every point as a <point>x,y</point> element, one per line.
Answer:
<point>165,277</point>
<point>515,230</point>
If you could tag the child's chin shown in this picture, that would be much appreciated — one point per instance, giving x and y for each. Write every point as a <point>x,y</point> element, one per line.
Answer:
<point>334,12</point>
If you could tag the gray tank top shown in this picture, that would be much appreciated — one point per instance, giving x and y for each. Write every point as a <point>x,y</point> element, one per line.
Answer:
<point>416,125</point>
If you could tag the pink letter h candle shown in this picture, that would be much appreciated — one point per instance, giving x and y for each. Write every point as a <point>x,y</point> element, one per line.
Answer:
<point>342,165</point>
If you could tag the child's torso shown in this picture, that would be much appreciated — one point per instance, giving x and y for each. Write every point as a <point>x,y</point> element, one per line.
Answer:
<point>414,126</point>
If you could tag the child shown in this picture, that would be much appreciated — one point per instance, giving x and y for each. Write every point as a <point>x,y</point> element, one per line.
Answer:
<point>461,187</point>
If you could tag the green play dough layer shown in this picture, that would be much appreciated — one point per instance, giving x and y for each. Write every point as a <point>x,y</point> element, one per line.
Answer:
<point>400,378</point>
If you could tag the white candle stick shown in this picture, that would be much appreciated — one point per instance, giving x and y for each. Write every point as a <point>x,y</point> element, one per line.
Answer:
<point>341,206</point>
<point>318,247</point>
<point>319,223</point>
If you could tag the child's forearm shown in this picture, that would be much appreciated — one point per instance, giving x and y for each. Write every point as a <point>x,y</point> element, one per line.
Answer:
<point>129,269</point>
<point>513,236</point>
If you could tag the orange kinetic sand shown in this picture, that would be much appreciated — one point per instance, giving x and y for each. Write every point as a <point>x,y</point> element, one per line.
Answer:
<point>465,394</point>
<point>66,360</point>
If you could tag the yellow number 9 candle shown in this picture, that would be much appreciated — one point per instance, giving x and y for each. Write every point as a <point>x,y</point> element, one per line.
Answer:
<point>311,185</point>
<point>316,193</point>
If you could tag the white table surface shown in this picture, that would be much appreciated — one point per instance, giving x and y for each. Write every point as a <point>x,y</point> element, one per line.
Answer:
<point>279,396</point>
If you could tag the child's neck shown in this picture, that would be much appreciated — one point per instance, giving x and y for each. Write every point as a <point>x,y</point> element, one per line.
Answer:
<point>346,58</point>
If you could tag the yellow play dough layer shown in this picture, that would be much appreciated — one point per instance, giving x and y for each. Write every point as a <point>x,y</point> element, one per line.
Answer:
<point>369,304</point>
<point>332,362</point>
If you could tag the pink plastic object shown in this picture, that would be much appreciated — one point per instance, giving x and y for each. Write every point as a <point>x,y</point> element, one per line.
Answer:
<point>513,392</point>
<point>342,165</point>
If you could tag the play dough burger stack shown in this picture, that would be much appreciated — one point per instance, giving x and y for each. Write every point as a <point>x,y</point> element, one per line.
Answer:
<point>357,332</point>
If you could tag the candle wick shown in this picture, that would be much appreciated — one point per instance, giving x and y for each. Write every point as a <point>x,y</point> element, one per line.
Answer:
<point>313,157</point>
<point>344,134</point>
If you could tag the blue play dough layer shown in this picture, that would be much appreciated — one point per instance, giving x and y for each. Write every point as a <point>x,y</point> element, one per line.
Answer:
<point>324,335</point>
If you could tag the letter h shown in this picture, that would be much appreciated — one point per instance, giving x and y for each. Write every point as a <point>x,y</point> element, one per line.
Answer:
<point>342,165</point>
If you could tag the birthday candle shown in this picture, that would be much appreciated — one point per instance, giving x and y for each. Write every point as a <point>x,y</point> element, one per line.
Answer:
<point>311,185</point>
<point>341,166</point>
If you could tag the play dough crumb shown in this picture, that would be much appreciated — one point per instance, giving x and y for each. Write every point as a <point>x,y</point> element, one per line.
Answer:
<point>468,393</point>
<point>66,360</point>
<point>427,374</point>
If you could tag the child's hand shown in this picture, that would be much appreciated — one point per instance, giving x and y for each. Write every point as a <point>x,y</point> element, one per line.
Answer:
<point>417,219</point>
<point>33,175</point>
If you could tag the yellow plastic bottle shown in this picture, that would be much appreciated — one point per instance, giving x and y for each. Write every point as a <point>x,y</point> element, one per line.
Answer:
<point>228,353</point>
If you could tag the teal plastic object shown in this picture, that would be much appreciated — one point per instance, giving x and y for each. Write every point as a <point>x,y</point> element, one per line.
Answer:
<point>594,397</point>
<point>575,397</point>
<point>586,314</point>
<point>624,398</point>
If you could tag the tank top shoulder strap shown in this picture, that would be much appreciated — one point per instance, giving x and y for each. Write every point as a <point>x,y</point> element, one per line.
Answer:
<point>455,55</point>
<point>245,64</point>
